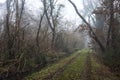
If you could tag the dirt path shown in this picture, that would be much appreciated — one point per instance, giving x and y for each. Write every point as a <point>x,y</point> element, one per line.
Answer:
<point>95,70</point>
<point>87,74</point>
<point>100,71</point>
<point>60,70</point>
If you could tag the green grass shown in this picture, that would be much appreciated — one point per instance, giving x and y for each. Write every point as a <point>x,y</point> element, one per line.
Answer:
<point>75,69</point>
<point>95,64</point>
<point>50,69</point>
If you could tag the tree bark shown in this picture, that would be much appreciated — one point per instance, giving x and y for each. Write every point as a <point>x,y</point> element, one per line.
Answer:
<point>110,30</point>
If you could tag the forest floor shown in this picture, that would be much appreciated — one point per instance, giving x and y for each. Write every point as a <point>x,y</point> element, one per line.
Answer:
<point>82,65</point>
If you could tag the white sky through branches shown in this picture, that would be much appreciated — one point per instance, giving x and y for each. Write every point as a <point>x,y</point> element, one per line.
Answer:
<point>69,12</point>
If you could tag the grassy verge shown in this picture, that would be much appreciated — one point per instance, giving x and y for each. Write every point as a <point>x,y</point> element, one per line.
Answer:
<point>100,71</point>
<point>50,69</point>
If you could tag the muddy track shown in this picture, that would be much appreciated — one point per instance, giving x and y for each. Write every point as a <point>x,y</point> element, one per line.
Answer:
<point>60,70</point>
<point>87,69</point>
<point>102,72</point>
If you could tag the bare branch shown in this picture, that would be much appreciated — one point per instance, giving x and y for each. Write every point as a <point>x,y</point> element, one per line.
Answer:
<point>89,26</point>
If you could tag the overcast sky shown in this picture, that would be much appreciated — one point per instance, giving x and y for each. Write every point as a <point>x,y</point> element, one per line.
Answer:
<point>68,10</point>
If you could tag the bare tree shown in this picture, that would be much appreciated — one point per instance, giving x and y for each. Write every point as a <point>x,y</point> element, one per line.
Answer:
<point>111,23</point>
<point>38,32</point>
<point>89,26</point>
<point>7,30</point>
